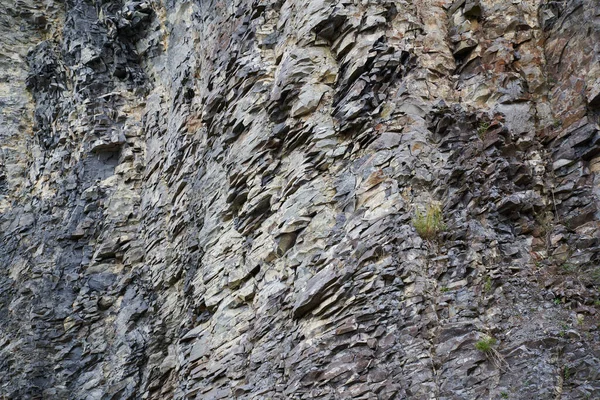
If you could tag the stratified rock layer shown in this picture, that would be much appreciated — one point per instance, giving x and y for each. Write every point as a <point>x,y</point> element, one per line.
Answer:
<point>215,199</point>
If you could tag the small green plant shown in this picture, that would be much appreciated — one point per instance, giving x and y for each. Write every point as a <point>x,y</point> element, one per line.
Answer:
<point>597,303</point>
<point>556,301</point>
<point>444,289</point>
<point>567,373</point>
<point>564,327</point>
<point>482,129</point>
<point>430,223</point>
<point>568,268</point>
<point>487,286</point>
<point>486,344</point>
<point>504,395</point>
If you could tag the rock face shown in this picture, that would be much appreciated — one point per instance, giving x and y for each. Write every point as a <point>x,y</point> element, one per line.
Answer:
<point>216,199</point>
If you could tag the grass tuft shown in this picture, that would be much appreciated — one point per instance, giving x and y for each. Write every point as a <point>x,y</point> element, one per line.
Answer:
<point>485,345</point>
<point>430,223</point>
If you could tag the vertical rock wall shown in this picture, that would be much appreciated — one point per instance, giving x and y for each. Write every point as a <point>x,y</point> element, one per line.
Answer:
<point>215,199</point>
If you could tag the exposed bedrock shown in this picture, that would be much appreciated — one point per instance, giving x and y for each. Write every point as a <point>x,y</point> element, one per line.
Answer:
<point>221,199</point>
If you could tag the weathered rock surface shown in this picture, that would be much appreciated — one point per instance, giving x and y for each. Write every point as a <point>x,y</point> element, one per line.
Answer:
<point>214,199</point>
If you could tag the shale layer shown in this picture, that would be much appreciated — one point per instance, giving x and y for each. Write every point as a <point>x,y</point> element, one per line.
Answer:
<point>219,199</point>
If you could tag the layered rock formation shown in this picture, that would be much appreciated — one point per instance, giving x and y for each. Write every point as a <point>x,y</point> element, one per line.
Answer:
<point>216,199</point>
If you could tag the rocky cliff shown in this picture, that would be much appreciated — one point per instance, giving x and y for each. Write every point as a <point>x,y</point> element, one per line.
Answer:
<point>219,199</point>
